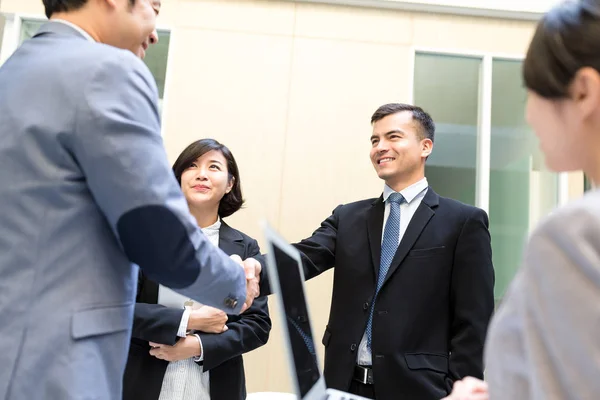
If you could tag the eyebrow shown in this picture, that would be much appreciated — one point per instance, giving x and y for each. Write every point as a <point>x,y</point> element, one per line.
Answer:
<point>388,133</point>
<point>216,161</point>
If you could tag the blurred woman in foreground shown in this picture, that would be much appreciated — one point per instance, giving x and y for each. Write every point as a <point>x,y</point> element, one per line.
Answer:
<point>544,341</point>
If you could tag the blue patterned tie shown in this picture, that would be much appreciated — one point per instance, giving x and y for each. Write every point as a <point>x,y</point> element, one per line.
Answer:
<point>389,246</point>
<point>305,338</point>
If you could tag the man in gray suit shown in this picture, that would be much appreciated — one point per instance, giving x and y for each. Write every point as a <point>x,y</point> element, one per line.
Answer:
<point>86,190</point>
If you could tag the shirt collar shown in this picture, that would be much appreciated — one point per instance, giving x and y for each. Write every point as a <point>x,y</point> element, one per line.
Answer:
<point>77,28</point>
<point>409,193</point>
<point>214,227</point>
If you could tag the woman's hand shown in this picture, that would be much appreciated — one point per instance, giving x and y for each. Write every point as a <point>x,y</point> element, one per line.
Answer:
<point>185,348</point>
<point>208,320</point>
<point>469,389</point>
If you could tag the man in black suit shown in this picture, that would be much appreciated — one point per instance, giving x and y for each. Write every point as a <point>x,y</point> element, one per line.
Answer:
<point>221,352</point>
<point>413,283</point>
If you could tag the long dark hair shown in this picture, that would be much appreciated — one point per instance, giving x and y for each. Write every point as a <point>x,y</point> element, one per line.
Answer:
<point>566,40</point>
<point>232,201</point>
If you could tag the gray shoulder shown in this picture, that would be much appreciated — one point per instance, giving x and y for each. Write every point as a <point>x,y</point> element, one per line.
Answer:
<point>580,217</point>
<point>356,206</point>
<point>463,209</point>
<point>99,58</point>
<point>568,238</point>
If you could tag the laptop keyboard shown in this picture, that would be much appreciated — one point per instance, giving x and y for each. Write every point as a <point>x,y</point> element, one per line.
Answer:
<point>342,396</point>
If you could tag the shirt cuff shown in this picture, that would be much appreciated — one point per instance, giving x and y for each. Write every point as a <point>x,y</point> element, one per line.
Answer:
<point>182,332</point>
<point>201,357</point>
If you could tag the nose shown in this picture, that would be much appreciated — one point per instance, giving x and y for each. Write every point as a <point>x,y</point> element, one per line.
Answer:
<point>153,38</point>
<point>382,146</point>
<point>201,175</point>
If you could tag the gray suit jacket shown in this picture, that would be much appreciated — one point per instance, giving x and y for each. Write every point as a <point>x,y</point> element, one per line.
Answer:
<point>86,192</point>
<point>544,341</point>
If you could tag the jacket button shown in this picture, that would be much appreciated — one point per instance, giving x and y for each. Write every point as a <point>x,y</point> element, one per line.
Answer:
<point>231,302</point>
<point>366,306</point>
<point>353,347</point>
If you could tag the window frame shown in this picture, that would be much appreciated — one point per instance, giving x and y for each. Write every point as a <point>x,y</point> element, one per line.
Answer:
<point>484,120</point>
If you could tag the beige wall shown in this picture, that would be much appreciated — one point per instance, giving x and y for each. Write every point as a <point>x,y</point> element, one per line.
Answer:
<point>290,89</point>
<point>2,22</point>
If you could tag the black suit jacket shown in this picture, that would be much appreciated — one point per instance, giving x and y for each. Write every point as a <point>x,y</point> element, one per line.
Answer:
<point>432,312</point>
<point>222,352</point>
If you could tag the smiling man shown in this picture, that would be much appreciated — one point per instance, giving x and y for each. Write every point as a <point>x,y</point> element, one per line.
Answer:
<point>153,37</point>
<point>87,194</point>
<point>413,281</point>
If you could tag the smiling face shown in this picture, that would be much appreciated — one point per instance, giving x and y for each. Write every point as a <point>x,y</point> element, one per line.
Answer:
<point>128,25</point>
<point>206,181</point>
<point>398,151</point>
<point>153,37</point>
<point>567,128</point>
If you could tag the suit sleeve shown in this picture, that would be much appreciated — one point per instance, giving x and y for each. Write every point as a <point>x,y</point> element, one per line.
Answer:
<point>156,323</point>
<point>317,252</point>
<point>248,333</point>
<point>471,297</point>
<point>118,146</point>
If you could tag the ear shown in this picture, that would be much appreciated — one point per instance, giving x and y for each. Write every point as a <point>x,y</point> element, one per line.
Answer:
<point>585,91</point>
<point>111,4</point>
<point>426,147</point>
<point>230,185</point>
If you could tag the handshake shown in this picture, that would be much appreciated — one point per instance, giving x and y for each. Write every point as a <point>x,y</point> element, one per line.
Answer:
<point>252,269</point>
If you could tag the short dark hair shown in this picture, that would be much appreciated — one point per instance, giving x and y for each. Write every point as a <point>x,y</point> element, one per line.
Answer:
<point>54,6</point>
<point>233,200</point>
<point>566,39</point>
<point>427,130</point>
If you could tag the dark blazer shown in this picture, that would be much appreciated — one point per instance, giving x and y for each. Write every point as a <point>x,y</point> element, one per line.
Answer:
<point>222,352</point>
<point>432,312</point>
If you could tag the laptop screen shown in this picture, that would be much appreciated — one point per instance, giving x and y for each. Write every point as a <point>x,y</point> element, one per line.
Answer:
<point>298,323</point>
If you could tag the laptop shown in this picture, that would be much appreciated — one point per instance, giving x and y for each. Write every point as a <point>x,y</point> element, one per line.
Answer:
<point>286,276</point>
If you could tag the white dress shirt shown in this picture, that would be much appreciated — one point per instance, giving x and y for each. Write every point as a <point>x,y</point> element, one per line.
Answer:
<point>413,196</point>
<point>184,379</point>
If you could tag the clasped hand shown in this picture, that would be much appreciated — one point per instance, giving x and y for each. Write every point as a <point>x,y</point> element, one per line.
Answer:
<point>252,268</point>
<point>208,320</point>
<point>185,348</point>
<point>469,389</point>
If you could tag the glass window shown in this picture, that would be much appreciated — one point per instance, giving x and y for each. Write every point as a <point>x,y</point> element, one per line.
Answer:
<point>447,87</point>
<point>29,27</point>
<point>2,24</point>
<point>587,183</point>
<point>156,60</point>
<point>521,189</point>
<point>156,56</point>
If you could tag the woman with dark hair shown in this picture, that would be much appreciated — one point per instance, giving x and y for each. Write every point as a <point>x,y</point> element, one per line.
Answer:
<point>181,350</point>
<point>544,341</point>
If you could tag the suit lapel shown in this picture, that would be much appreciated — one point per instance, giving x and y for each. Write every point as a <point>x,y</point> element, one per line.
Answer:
<point>374,231</point>
<point>419,221</point>
<point>231,241</point>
